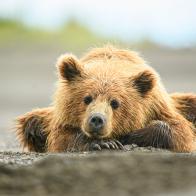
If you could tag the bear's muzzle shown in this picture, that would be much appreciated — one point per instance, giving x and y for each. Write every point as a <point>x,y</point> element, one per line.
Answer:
<point>96,123</point>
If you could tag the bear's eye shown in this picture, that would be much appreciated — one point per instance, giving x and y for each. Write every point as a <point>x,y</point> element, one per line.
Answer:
<point>88,99</point>
<point>114,104</point>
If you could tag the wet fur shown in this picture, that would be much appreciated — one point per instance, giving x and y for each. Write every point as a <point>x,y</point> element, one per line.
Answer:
<point>157,134</point>
<point>30,129</point>
<point>32,135</point>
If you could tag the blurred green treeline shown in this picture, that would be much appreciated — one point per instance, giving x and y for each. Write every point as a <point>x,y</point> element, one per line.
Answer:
<point>73,35</point>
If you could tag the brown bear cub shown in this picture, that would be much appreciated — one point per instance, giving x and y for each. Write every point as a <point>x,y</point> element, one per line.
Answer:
<point>107,99</point>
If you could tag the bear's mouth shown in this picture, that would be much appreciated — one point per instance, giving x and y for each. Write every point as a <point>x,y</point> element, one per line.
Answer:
<point>93,134</point>
<point>96,135</point>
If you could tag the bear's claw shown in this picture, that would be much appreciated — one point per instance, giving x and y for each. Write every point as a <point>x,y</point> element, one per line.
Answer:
<point>105,144</point>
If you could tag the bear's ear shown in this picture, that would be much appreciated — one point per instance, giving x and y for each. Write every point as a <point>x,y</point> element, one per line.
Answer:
<point>144,82</point>
<point>69,67</point>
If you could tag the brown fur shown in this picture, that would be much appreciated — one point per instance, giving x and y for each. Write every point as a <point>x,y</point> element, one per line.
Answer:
<point>107,74</point>
<point>156,134</point>
<point>186,105</point>
<point>31,127</point>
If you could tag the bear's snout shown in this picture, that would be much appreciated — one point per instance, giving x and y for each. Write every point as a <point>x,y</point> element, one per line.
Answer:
<point>96,123</point>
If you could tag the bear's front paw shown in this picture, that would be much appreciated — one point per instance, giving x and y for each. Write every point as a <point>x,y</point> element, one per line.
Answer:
<point>98,145</point>
<point>34,135</point>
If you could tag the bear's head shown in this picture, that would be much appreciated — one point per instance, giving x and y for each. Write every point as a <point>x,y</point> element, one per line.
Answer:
<point>106,93</point>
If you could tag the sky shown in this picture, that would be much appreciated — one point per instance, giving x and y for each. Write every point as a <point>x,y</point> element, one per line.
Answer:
<point>167,22</point>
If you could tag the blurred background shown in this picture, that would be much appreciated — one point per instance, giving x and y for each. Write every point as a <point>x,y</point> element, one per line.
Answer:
<point>34,33</point>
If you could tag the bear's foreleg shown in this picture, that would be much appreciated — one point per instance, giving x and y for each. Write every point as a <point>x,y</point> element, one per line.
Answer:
<point>157,134</point>
<point>174,136</point>
<point>30,129</point>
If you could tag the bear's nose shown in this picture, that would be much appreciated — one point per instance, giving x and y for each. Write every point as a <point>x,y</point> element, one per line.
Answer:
<point>96,122</point>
